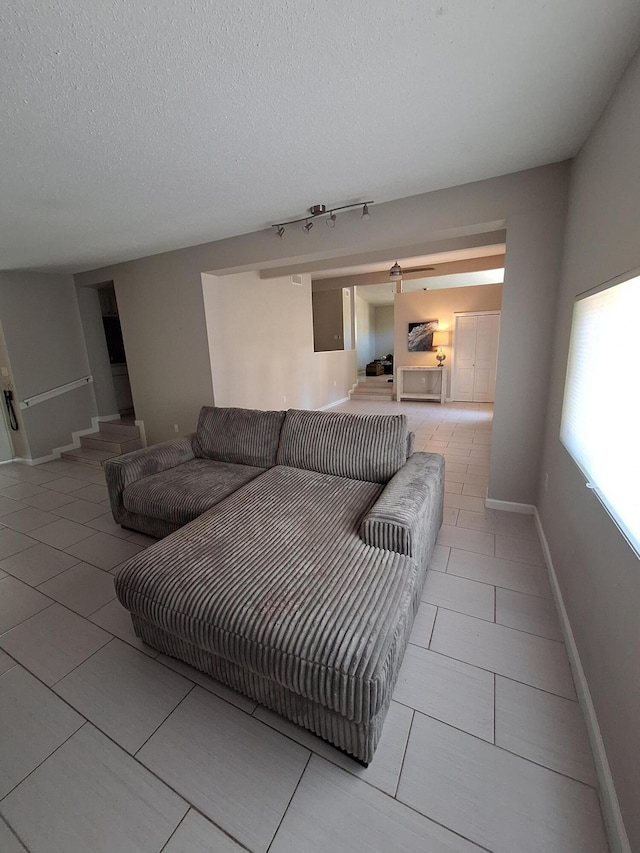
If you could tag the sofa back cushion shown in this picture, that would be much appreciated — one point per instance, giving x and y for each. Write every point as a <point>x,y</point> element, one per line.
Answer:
<point>361,447</point>
<point>239,436</point>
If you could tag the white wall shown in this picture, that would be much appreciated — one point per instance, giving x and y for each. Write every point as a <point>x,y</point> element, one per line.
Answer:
<point>384,331</point>
<point>598,573</point>
<point>261,344</point>
<point>365,331</point>
<point>46,346</point>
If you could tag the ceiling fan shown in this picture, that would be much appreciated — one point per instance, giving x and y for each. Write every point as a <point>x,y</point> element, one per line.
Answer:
<point>396,271</point>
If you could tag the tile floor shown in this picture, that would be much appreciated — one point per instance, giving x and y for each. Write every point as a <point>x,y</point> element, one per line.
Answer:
<point>108,747</point>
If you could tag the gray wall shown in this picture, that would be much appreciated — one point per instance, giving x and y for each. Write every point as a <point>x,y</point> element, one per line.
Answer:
<point>327,320</point>
<point>384,334</point>
<point>161,304</point>
<point>45,343</point>
<point>97,352</point>
<point>599,575</point>
<point>365,330</point>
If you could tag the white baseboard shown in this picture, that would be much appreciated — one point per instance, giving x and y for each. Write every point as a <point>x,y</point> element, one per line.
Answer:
<point>616,832</point>
<point>510,506</point>
<point>58,451</point>
<point>335,403</point>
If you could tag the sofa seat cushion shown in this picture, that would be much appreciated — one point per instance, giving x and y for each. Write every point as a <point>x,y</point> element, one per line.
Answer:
<point>183,493</point>
<point>277,580</point>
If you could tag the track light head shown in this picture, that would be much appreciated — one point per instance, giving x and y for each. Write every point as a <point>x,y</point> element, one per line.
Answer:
<point>395,271</point>
<point>331,221</point>
<point>365,212</point>
<point>307,226</point>
<point>281,230</point>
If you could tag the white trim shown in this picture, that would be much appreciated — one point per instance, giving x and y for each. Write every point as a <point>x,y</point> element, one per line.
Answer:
<point>55,392</point>
<point>476,313</point>
<point>143,432</point>
<point>335,403</point>
<point>510,506</point>
<point>614,823</point>
<point>58,451</point>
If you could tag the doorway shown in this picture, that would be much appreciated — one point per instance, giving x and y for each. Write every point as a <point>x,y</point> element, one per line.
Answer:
<point>116,350</point>
<point>475,357</point>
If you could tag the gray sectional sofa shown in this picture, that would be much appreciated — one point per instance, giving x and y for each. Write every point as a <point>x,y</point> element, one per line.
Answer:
<point>294,553</point>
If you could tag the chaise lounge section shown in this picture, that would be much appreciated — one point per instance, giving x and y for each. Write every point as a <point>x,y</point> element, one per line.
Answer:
<point>300,587</point>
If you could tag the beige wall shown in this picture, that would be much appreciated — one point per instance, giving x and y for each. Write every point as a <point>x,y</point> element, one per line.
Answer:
<point>438,305</point>
<point>327,320</point>
<point>160,301</point>
<point>97,352</point>
<point>599,575</point>
<point>261,343</point>
<point>384,331</point>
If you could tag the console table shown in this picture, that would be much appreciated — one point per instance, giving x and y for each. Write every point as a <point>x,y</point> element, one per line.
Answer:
<point>430,383</point>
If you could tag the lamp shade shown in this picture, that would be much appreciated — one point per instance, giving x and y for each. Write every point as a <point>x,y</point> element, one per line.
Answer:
<point>440,339</point>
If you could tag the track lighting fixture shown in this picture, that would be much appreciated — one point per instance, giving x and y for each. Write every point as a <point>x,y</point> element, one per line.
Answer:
<point>321,210</point>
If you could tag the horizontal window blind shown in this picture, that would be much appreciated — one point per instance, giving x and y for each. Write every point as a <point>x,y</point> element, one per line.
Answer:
<point>601,411</point>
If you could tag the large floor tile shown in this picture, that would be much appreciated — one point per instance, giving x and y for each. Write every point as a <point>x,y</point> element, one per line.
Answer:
<point>21,490</point>
<point>105,524</point>
<point>65,484</point>
<point>47,500</point>
<point>211,684</point>
<point>196,834</point>
<point>34,723</point>
<point>464,502</point>
<point>91,796</point>
<point>124,693</point>
<point>461,594</point>
<point>27,473</point>
<point>520,550</point>
<point>423,624</point>
<point>440,558</point>
<point>523,578</point>
<point>62,533</point>
<point>467,540</point>
<point>8,841</point>
<point>104,551</point>
<point>543,728</point>
<point>449,690</point>
<point>495,798</point>
<point>233,768</point>
<point>37,564</point>
<point>83,588</point>
<point>5,662</point>
<point>533,660</point>
<point>80,511</point>
<point>504,523</point>
<point>115,619</point>
<point>333,811</point>
<point>528,613</point>
<point>93,492</point>
<point>383,772</point>
<point>53,642</point>
<point>18,602</point>
<point>27,519</point>
<point>8,506</point>
<point>12,541</point>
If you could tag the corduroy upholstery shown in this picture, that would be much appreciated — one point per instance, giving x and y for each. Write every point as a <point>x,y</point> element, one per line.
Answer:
<point>182,494</point>
<point>298,588</point>
<point>364,447</point>
<point>240,436</point>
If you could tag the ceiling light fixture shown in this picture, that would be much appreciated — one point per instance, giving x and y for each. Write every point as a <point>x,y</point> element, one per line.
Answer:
<point>395,271</point>
<point>321,210</point>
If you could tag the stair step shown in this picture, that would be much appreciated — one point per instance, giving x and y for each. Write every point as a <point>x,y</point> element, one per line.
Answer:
<point>109,442</point>
<point>84,455</point>
<point>111,428</point>
<point>380,397</point>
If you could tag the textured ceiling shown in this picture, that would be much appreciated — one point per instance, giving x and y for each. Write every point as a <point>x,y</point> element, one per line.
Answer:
<point>131,127</point>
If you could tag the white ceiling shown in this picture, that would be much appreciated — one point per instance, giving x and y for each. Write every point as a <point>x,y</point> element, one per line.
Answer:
<point>132,128</point>
<point>383,294</point>
<point>415,261</point>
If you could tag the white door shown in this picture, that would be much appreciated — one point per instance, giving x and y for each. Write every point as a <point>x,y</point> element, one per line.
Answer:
<point>475,357</point>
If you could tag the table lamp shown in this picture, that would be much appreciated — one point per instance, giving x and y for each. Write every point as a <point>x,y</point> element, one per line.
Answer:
<point>440,339</point>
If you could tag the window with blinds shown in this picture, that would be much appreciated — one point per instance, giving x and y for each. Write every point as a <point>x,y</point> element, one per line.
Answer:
<point>601,411</point>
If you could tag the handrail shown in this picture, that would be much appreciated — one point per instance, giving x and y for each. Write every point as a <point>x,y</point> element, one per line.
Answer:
<point>55,392</point>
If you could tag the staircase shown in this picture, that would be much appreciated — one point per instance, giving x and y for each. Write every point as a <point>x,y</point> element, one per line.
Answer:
<point>373,388</point>
<point>113,438</point>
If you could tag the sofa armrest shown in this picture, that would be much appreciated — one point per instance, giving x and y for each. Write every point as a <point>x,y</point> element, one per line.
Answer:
<point>407,516</point>
<point>124,470</point>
